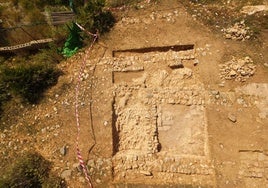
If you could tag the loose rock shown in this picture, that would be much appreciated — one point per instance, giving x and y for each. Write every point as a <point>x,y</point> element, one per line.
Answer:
<point>232,117</point>
<point>196,62</point>
<point>238,31</point>
<point>146,173</point>
<point>105,123</point>
<point>66,174</point>
<point>82,179</point>
<point>63,150</point>
<point>254,9</point>
<point>237,69</point>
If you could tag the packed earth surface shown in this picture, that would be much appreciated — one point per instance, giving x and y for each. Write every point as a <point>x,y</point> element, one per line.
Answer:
<point>163,101</point>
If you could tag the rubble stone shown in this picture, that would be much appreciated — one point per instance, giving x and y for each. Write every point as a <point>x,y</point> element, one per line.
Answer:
<point>237,69</point>
<point>254,9</point>
<point>232,117</point>
<point>63,150</point>
<point>146,173</point>
<point>66,174</point>
<point>239,31</point>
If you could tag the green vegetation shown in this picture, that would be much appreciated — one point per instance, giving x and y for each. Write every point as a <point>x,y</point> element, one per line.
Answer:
<point>30,171</point>
<point>40,4</point>
<point>29,77</point>
<point>95,18</point>
<point>35,71</point>
<point>3,33</point>
<point>118,3</point>
<point>103,22</point>
<point>91,14</point>
<point>29,81</point>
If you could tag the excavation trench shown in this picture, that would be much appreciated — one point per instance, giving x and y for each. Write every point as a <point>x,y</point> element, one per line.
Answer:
<point>176,48</point>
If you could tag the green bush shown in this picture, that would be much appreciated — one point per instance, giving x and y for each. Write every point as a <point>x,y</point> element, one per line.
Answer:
<point>95,18</point>
<point>3,36</point>
<point>40,4</point>
<point>103,22</point>
<point>118,3</point>
<point>55,2</point>
<point>27,5</point>
<point>30,171</point>
<point>30,80</point>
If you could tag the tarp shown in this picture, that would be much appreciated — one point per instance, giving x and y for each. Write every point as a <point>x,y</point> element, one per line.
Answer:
<point>73,42</point>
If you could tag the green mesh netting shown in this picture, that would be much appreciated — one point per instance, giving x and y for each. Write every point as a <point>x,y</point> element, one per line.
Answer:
<point>73,42</point>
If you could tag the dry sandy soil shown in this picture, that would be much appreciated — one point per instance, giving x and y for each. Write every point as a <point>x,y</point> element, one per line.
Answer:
<point>164,101</point>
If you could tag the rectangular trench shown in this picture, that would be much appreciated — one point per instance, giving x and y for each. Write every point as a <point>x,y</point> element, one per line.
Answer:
<point>176,48</point>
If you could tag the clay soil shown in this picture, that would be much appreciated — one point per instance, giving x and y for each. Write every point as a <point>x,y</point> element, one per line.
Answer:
<point>144,122</point>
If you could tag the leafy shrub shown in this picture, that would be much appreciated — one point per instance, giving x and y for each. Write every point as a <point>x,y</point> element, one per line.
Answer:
<point>30,171</point>
<point>103,22</point>
<point>3,36</point>
<point>118,3</point>
<point>40,4</point>
<point>55,2</point>
<point>95,18</point>
<point>30,80</point>
<point>27,5</point>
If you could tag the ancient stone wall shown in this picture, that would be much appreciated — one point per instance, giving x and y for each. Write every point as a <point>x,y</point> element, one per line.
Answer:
<point>159,118</point>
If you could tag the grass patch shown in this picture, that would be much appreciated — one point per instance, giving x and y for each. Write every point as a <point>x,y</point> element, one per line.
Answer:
<point>27,78</point>
<point>31,75</point>
<point>29,81</point>
<point>30,171</point>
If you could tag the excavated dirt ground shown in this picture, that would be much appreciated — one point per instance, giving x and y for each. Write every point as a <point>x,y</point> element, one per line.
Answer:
<point>158,108</point>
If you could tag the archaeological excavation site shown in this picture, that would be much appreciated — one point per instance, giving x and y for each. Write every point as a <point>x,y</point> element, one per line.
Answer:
<point>159,117</point>
<point>174,96</point>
